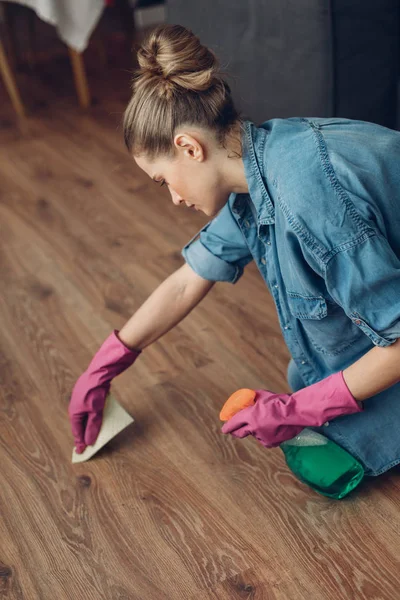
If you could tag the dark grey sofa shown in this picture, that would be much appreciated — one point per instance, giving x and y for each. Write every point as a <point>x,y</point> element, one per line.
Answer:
<point>303,57</point>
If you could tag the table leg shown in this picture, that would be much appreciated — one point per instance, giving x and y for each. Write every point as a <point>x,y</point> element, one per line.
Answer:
<point>10,83</point>
<point>81,83</point>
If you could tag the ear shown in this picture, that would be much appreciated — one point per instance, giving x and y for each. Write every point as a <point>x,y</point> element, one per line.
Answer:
<point>190,146</point>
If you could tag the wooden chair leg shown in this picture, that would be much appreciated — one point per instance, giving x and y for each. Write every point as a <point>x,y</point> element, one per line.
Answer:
<point>81,84</point>
<point>10,83</point>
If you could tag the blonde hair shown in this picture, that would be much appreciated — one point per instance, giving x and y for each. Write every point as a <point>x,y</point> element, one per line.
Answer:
<point>177,83</point>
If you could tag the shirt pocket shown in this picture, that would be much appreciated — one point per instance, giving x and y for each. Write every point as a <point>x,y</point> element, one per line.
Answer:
<point>324,323</point>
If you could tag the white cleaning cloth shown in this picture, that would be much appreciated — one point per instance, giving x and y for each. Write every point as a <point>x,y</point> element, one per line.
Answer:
<point>115,419</point>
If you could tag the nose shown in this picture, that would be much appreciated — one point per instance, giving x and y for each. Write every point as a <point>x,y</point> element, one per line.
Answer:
<point>176,198</point>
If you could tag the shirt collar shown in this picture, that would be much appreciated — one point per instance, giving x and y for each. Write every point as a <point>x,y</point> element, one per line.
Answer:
<point>253,142</point>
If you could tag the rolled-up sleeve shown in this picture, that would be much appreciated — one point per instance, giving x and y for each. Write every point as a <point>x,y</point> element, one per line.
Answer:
<point>219,252</point>
<point>365,280</point>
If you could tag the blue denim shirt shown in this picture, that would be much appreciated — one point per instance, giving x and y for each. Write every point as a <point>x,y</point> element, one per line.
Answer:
<point>322,223</point>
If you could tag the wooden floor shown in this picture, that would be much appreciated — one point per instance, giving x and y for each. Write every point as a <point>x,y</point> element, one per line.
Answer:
<point>171,509</point>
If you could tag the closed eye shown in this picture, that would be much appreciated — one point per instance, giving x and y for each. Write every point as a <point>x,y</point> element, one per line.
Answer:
<point>162,181</point>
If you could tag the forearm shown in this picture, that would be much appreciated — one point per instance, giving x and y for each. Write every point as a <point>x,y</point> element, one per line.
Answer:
<point>165,308</point>
<point>374,372</point>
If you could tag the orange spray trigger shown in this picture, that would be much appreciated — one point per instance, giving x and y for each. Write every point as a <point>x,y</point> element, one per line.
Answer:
<point>239,400</point>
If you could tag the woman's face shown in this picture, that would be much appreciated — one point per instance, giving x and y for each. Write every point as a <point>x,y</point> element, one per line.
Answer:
<point>197,176</point>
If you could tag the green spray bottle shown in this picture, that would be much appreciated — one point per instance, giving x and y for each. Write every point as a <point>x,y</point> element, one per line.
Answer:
<point>315,459</point>
<point>322,464</point>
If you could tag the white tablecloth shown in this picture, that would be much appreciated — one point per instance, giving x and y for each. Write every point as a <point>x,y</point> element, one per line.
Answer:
<point>74,19</point>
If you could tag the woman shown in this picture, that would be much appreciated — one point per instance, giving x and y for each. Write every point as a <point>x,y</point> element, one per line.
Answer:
<point>314,202</point>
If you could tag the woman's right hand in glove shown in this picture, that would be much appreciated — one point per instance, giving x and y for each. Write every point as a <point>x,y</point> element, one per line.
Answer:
<point>90,391</point>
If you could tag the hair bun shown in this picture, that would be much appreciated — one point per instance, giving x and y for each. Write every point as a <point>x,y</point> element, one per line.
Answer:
<point>148,61</point>
<point>175,54</point>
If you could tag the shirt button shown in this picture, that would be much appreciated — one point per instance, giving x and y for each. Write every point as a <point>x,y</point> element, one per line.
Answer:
<point>269,243</point>
<point>263,261</point>
<point>326,424</point>
<point>247,223</point>
<point>286,327</point>
<point>276,286</point>
<point>303,362</point>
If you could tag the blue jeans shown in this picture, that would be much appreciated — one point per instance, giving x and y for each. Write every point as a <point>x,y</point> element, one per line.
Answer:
<point>372,437</point>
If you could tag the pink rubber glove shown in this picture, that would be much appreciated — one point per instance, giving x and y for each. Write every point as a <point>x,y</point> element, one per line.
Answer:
<point>275,418</point>
<point>90,391</point>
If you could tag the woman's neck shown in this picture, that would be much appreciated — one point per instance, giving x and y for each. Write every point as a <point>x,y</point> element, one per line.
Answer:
<point>232,163</point>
